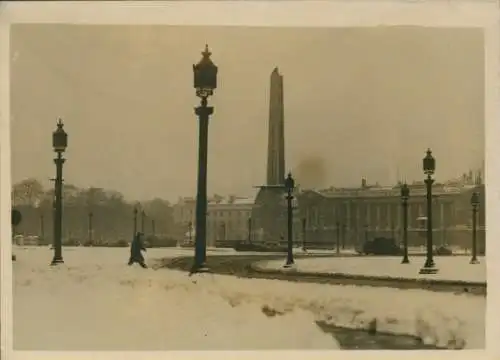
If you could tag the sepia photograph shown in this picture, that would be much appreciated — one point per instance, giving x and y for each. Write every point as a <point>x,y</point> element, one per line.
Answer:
<point>184,188</point>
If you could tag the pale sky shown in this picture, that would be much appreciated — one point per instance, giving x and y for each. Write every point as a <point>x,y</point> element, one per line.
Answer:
<point>358,102</point>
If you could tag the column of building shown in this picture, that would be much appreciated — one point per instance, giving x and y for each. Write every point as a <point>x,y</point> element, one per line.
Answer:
<point>443,224</point>
<point>399,226</point>
<point>378,223</point>
<point>391,219</point>
<point>368,215</point>
<point>358,217</point>
<point>348,234</point>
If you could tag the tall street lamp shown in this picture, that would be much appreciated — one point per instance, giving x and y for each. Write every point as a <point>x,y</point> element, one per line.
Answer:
<point>135,220</point>
<point>304,234</point>
<point>91,231</point>
<point>475,206</point>
<point>143,218</point>
<point>344,234</point>
<point>249,230</point>
<point>289,187</point>
<point>41,234</point>
<point>190,232</point>
<point>205,82</point>
<point>429,165</point>
<point>405,195</point>
<point>42,227</point>
<point>337,245</point>
<point>59,143</point>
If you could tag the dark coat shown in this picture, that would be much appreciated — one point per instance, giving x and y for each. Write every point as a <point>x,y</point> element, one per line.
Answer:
<point>135,249</point>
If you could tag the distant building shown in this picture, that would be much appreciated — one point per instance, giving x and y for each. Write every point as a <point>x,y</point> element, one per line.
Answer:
<point>227,218</point>
<point>184,211</point>
<point>358,214</point>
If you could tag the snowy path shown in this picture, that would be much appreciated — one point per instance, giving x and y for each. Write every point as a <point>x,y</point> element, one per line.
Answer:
<point>96,302</point>
<point>450,268</point>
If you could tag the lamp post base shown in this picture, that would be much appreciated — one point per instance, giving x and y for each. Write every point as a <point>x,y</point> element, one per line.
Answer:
<point>289,265</point>
<point>428,270</point>
<point>199,268</point>
<point>474,261</point>
<point>56,261</point>
<point>405,261</point>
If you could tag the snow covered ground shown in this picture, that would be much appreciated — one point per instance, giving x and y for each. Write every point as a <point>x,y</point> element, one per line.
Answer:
<point>95,302</point>
<point>450,267</point>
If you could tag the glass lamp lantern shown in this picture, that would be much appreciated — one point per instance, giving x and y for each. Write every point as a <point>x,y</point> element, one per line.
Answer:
<point>474,200</point>
<point>60,138</point>
<point>289,183</point>
<point>429,163</point>
<point>405,192</point>
<point>205,75</point>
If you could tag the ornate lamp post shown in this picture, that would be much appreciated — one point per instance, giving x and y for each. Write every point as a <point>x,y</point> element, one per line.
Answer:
<point>405,195</point>
<point>91,230</point>
<point>59,143</point>
<point>475,207</point>
<point>249,230</point>
<point>337,229</point>
<point>304,233</point>
<point>143,218</point>
<point>289,187</point>
<point>190,231</point>
<point>205,82</point>
<point>344,232</point>
<point>135,220</point>
<point>42,227</point>
<point>42,222</point>
<point>429,165</point>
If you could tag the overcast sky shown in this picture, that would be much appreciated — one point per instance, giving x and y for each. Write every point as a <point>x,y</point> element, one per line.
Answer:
<point>358,102</point>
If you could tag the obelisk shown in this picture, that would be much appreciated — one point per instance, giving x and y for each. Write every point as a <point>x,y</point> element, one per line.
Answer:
<point>267,214</point>
<point>276,135</point>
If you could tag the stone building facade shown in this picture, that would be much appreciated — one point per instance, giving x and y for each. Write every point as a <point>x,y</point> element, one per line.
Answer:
<point>227,219</point>
<point>355,215</point>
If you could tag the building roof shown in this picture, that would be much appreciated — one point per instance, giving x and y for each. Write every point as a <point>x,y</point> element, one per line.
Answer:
<point>236,200</point>
<point>383,191</point>
<point>220,200</point>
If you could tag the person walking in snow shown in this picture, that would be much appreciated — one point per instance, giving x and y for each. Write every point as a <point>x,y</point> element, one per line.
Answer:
<point>136,249</point>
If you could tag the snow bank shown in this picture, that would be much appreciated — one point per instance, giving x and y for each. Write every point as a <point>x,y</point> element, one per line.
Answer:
<point>96,302</point>
<point>442,319</point>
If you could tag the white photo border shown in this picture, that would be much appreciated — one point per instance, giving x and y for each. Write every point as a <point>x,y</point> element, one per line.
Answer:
<point>457,13</point>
